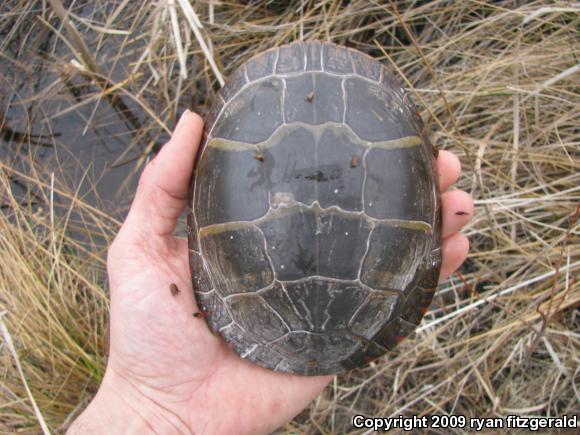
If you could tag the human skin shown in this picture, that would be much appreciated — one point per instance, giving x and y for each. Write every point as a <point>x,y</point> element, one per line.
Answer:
<point>166,372</point>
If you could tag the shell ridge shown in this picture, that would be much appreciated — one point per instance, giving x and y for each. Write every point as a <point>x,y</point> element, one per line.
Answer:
<point>421,226</point>
<point>317,129</point>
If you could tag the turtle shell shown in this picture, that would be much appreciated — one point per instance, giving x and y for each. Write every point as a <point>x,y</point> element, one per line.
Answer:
<point>314,220</point>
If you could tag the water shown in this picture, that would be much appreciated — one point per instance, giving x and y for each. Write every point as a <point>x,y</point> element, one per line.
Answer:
<point>56,121</point>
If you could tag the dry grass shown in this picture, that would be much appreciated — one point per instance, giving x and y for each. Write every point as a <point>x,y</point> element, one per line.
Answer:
<point>498,85</point>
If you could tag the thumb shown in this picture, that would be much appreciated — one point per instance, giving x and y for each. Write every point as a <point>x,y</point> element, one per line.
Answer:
<point>164,184</point>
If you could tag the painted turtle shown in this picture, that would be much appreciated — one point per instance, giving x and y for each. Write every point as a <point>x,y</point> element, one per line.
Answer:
<point>314,220</point>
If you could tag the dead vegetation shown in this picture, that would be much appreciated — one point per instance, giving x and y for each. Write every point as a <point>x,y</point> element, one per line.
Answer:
<point>497,83</point>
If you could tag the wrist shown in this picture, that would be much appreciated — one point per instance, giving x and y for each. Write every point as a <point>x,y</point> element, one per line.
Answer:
<point>120,408</point>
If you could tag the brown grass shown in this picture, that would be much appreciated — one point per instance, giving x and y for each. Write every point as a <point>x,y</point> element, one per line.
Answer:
<point>497,84</point>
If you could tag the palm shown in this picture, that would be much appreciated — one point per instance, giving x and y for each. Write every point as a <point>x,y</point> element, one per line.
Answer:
<point>157,329</point>
<point>164,352</point>
<point>158,344</point>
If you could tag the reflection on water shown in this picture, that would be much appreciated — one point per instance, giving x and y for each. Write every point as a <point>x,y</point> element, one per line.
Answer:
<point>93,133</point>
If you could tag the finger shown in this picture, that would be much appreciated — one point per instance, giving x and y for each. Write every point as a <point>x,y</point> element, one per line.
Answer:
<point>454,250</point>
<point>457,209</point>
<point>164,184</point>
<point>448,169</point>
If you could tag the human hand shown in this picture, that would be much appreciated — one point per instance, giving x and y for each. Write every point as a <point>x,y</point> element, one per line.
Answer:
<point>166,371</point>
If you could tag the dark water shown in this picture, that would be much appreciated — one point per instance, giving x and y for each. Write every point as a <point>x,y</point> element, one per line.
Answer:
<point>55,119</point>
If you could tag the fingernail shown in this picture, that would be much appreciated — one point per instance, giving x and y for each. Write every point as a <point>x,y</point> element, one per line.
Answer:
<point>180,122</point>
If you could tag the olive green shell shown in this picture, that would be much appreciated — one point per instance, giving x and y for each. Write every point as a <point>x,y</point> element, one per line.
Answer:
<point>314,215</point>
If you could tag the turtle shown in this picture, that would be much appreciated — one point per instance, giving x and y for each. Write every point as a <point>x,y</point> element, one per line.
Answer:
<point>314,211</point>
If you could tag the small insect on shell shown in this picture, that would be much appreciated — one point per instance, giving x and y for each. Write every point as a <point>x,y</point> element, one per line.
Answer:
<point>354,161</point>
<point>174,289</point>
<point>259,157</point>
<point>310,97</point>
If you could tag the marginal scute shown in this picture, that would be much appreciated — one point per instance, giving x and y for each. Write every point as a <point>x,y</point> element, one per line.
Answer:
<point>407,328</point>
<point>336,59</point>
<point>261,66</point>
<point>235,82</point>
<point>391,83</point>
<point>387,336</point>
<point>313,56</point>
<point>314,350</point>
<point>264,355</point>
<point>199,277</point>
<point>433,265</point>
<point>291,59</point>
<point>364,65</point>
<point>236,259</point>
<point>414,302</point>
<point>193,240</point>
<point>214,308</point>
<point>367,353</point>
<point>210,116</point>
<point>241,339</point>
